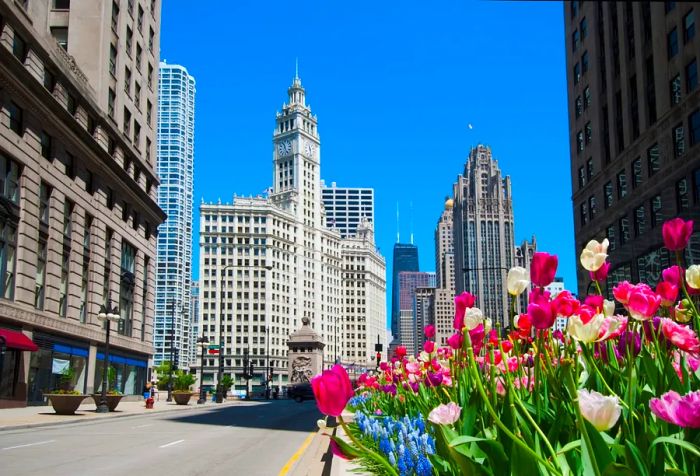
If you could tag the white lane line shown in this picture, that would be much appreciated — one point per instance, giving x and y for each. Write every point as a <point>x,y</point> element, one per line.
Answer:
<point>171,443</point>
<point>143,426</point>
<point>30,444</point>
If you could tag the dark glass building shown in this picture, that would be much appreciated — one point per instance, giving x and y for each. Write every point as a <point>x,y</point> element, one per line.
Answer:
<point>405,259</point>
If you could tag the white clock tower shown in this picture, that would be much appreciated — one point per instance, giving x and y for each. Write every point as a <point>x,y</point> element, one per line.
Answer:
<point>296,159</point>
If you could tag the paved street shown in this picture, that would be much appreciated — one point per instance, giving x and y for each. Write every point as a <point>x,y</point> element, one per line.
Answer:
<point>249,438</point>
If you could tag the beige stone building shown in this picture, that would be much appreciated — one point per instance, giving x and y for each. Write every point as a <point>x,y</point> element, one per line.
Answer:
<point>444,307</point>
<point>78,207</point>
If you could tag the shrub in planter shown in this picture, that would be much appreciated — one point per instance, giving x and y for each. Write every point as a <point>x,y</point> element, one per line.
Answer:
<point>65,400</point>
<point>182,383</point>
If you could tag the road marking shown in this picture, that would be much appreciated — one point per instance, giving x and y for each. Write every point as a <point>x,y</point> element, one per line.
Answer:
<point>171,443</point>
<point>30,444</point>
<point>143,426</point>
<point>285,469</point>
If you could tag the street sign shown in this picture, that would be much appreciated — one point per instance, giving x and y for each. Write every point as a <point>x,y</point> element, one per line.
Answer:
<point>213,346</point>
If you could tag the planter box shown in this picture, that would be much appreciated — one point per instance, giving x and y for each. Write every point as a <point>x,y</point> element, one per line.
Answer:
<point>65,404</point>
<point>112,400</point>
<point>182,398</point>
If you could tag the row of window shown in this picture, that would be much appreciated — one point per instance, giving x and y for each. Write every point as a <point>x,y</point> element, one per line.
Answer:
<point>672,47</point>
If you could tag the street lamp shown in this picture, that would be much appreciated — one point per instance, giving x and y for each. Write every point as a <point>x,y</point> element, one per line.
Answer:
<point>172,349</point>
<point>204,340</point>
<point>108,314</point>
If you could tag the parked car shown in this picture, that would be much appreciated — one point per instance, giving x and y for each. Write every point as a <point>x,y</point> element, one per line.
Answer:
<point>300,392</point>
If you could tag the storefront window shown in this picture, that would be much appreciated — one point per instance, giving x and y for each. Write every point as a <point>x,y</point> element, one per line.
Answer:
<point>48,364</point>
<point>9,368</point>
<point>129,375</point>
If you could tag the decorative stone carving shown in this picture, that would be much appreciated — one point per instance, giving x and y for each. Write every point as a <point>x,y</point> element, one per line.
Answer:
<point>305,356</point>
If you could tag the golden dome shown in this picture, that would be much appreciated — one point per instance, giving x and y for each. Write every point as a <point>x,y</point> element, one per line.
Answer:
<point>449,203</point>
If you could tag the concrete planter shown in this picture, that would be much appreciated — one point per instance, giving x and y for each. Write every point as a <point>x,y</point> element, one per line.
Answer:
<point>182,398</point>
<point>65,404</point>
<point>112,400</point>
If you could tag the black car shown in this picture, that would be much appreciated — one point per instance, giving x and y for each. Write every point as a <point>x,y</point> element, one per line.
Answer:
<point>300,392</point>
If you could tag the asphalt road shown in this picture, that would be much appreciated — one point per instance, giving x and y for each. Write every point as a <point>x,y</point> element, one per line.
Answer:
<point>247,438</point>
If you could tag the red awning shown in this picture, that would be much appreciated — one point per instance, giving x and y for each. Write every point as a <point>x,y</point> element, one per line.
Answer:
<point>17,340</point>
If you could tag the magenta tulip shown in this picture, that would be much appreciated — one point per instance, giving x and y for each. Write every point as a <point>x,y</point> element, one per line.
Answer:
<point>456,340</point>
<point>332,390</point>
<point>683,411</point>
<point>543,268</point>
<point>668,292</point>
<point>677,233</point>
<point>462,302</point>
<point>601,274</point>
<point>429,331</point>
<point>429,346</point>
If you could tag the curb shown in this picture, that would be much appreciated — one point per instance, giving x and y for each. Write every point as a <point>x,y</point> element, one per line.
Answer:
<point>94,420</point>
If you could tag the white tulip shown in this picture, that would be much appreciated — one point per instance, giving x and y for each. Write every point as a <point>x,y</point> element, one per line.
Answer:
<point>473,317</point>
<point>517,280</point>
<point>608,308</point>
<point>585,332</point>
<point>692,276</point>
<point>594,255</point>
<point>600,410</point>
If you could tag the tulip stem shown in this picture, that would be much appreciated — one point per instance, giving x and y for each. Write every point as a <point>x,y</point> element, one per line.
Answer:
<point>579,418</point>
<point>389,468</point>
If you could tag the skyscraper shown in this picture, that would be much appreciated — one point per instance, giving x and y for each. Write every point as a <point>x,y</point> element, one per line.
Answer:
<point>483,231</point>
<point>634,126</point>
<point>414,310</point>
<point>346,207</point>
<point>79,194</point>
<point>405,259</point>
<point>176,94</point>
<point>443,305</point>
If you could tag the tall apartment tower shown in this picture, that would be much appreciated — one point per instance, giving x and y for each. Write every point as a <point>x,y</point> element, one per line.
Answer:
<point>268,262</point>
<point>79,209</point>
<point>443,305</point>
<point>364,289</point>
<point>632,80</point>
<point>483,231</point>
<point>347,207</point>
<point>405,259</point>
<point>414,312</point>
<point>176,100</point>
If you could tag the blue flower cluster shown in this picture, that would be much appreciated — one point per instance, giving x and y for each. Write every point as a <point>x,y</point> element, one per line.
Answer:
<point>405,442</point>
<point>358,401</point>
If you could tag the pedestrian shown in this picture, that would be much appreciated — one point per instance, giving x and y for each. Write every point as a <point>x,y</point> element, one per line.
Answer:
<point>147,390</point>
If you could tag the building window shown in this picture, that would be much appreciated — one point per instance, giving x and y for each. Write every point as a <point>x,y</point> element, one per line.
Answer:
<point>148,152</point>
<point>668,6</point>
<point>672,43</point>
<point>129,40</point>
<point>139,55</point>
<point>84,281</point>
<point>130,7</point>
<point>694,127</point>
<point>110,198</point>
<point>583,25</point>
<point>40,277</point>
<point>676,89</point>
<point>581,177</point>
<point>61,4</point>
<point>621,185</point>
<point>127,81</point>
<point>87,232</point>
<point>111,98</point>
<point>577,73</point>
<point>144,296</point>
<point>9,179</point>
<point>639,221</point>
<point>579,107</point>
<point>16,114</point>
<point>589,168</point>
<point>592,206</point>
<point>8,250</point>
<point>63,291</point>
<point>624,230</point>
<point>678,141</point>
<point>127,122</point>
<point>589,132</point>
<point>689,26</point>
<point>579,141</point>
<point>70,166</point>
<point>115,16</point>
<point>611,235</point>
<point>584,62</point>
<point>68,208</point>
<point>60,34</point>
<point>657,216</point>
<point>653,160</point>
<point>126,290</point>
<point>151,38</point>
<point>137,134</point>
<point>149,113</point>
<point>584,213</point>
<point>139,18</point>
<point>150,75</point>
<point>575,40</point>
<point>586,98</point>
<point>113,60</point>
<point>71,104</point>
<point>608,195</point>
<point>691,76</point>
<point>44,203</point>
<point>636,172</point>
<point>46,143</point>
<point>682,200</point>
<point>49,80</point>
<point>19,47</point>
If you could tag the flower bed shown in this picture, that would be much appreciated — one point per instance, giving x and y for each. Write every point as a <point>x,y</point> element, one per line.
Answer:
<point>617,393</point>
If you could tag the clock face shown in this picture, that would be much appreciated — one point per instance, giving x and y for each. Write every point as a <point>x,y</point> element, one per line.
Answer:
<point>284,148</point>
<point>310,149</point>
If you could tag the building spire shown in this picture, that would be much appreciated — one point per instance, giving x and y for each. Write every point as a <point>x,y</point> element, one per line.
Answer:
<point>398,228</point>
<point>296,68</point>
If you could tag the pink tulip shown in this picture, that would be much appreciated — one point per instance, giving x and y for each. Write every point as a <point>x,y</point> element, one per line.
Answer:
<point>401,352</point>
<point>565,304</point>
<point>429,331</point>
<point>541,310</point>
<point>668,293</point>
<point>543,268</point>
<point>683,411</point>
<point>643,302</point>
<point>462,302</point>
<point>332,390</point>
<point>595,301</point>
<point>445,414</point>
<point>677,233</point>
<point>622,292</point>
<point>456,340</point>
<point>429,346</point>
<point>601,274</point>
<point>681,336</point>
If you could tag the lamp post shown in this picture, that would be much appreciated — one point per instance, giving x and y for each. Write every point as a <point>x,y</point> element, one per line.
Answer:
<point>220,374</point>
<point>204,340</point>
<point>108,314</point>
<point>268,380</point>
<point>172,349</point>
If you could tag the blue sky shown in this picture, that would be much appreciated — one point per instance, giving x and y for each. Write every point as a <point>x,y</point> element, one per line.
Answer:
<point>395,85</point>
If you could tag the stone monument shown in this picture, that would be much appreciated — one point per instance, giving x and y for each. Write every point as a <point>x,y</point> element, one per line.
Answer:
<point>305,353</point>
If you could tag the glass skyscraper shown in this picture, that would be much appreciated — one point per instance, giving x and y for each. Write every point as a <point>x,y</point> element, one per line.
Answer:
<point>405,259</point>
<point>176,90</point>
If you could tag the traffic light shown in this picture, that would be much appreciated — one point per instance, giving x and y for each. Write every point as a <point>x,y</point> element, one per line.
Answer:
<point>379,358</point>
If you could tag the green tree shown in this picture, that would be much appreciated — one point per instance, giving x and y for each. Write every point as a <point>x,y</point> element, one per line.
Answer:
<point>163,372</point>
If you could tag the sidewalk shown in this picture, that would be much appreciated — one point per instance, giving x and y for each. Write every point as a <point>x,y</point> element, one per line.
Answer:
<point>30,417</point>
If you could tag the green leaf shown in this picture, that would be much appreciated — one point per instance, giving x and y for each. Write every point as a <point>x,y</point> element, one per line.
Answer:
<point>635,456</point>
<point>347,449</point>
<point>615,469</point>
<point>675,472</point>
<point>461,440</point>
<point>522,463</point>
<point>674,441</point>
<point>570,446</point>
<point>601,451</point>
<point>496,456</point>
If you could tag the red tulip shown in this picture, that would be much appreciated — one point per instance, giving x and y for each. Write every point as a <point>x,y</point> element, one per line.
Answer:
<point>677,233</point>
<point>429,331</point>
<point>601,274</point>
<point>332,390</point>
<point>462,302</point>
<point>401,352</point>
<point>456,340</point>
<point>595,301</point>
<point>565,304</point>
<point>429,346</point>
<point>668,293</point>
<point>543,268</point>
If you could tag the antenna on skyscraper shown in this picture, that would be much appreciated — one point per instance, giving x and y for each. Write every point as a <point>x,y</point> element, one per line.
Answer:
<point>296,68</point>
<point>398,229</point>
<point>410,217</point>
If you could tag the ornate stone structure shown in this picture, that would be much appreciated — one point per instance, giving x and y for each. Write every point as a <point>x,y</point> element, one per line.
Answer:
<point>305,353</point>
